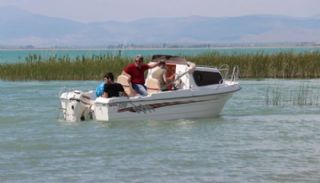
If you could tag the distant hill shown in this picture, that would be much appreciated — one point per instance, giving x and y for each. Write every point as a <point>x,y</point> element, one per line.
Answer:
<point>20,27</point>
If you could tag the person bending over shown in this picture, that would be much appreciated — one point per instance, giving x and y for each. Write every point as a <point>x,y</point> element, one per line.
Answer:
<point>161,75</point>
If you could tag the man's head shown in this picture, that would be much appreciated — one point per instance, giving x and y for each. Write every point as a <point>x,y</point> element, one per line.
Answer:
<point>138,60</point>
<point>108,77</point>
<point>162,64</point>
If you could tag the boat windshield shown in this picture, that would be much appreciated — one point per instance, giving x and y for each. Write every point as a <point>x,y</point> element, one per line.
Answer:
<point>204,78</point>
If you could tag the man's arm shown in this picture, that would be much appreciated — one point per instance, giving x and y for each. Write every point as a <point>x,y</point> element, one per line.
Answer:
<point>164,76</point>
<point>105,95</point>
<point>126,74</point>
<point>153,64</point>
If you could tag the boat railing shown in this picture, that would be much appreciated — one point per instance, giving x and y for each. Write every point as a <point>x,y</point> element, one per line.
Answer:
<point>235,73</point>
<point>226,75</point>
<point>224,71</point>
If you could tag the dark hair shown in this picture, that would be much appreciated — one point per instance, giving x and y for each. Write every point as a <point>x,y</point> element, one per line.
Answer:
<point>162,63</point>
<point>109,75</point>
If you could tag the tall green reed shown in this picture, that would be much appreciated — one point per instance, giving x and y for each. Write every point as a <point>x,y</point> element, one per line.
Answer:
<point>259,65</point>
<point>304,95</point>
<point>262,65</point>
<point>63,68</point>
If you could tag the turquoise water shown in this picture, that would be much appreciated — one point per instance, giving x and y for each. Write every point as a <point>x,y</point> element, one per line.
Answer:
<point>14,56</point>
<point>252,141</point>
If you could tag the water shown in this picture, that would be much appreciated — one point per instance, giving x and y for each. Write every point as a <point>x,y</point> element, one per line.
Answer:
<point>251,141</point>
<point>17,56</point>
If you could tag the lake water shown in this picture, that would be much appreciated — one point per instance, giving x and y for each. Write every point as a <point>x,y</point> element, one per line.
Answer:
<point>252,141</point>
<point>16,56</point>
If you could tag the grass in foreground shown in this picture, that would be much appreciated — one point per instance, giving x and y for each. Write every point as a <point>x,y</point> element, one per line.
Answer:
<point>259,65</point>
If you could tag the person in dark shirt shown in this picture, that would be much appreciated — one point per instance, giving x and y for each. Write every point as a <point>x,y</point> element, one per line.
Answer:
<point>112,89</point>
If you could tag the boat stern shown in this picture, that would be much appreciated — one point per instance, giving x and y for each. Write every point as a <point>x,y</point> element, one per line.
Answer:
<point>76,105</point>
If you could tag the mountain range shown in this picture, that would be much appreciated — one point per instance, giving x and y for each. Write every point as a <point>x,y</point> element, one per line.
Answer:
<point>19,27</point>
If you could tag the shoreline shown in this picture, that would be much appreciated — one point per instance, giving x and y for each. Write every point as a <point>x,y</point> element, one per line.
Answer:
<point>162,48</point>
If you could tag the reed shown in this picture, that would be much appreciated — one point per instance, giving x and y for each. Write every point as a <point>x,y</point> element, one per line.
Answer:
<point>274,96</point>
<point>259,65</point>
<point>304,95</point>
<point>64,68</point>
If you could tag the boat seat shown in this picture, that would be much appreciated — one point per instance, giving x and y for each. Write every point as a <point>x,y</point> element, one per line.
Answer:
<point>153,85</point>
<point>123,80</point>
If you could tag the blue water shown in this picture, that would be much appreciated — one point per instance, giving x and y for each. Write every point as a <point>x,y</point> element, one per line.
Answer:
<point>14,56</point>
<point>252,141</point>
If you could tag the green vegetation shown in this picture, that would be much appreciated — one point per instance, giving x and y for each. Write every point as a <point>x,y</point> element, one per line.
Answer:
<point>259,65</point>
<point>65,68</point>
<point>305,95</point>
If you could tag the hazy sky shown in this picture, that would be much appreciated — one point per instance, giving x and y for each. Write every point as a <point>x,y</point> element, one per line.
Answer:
<point>127,10</point>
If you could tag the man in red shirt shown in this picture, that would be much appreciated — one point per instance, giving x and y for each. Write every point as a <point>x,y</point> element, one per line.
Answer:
<point>135,72</point>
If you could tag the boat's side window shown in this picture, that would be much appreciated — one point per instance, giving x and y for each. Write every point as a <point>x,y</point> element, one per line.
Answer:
<point>203,78</point>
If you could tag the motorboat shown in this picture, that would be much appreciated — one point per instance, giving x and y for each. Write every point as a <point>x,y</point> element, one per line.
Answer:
<point>196,92</point>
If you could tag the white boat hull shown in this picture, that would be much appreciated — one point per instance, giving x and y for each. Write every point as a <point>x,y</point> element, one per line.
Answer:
<point>165,106</point>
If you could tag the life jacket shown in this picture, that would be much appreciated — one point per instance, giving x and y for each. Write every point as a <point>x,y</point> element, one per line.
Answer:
<point>99,90</point>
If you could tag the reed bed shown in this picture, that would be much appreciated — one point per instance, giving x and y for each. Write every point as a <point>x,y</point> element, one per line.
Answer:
<point>64,68</point>
<point>304,95</point>
<point>259,65</point>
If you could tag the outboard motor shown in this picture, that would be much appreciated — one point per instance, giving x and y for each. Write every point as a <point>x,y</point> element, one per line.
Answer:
<point>76,106</point>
